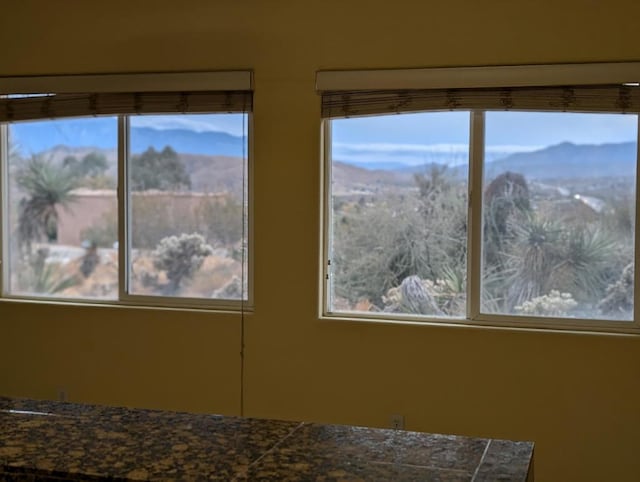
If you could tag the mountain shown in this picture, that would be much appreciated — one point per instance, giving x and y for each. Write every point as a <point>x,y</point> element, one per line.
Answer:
<point>560,161</point>
<point>568,160</point>
<point>186,141</point>
<point>377,165</point>
<point>101,133</point>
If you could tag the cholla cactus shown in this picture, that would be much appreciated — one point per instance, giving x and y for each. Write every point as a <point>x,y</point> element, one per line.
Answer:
<point>180,257</point>
<point>426,297</point>
<point>412,296</point>
<point>552,304</point>
<point>619,299</point>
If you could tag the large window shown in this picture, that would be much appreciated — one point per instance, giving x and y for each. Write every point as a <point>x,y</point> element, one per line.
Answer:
<point>507,206</point>
<point>137,197</point>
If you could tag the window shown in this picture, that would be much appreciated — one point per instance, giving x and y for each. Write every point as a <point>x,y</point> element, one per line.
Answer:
<point>491,203</point>
<point>129,197</point>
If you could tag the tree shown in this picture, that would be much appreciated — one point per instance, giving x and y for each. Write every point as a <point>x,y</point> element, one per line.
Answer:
<point>47,187</point>
<point>91,165</point>
<point>180,257</point>
<point>159,170</point>
<point>506,197</point>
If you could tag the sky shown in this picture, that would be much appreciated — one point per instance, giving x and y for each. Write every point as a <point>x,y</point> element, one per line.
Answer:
<point>229,124</point>
<point>414,139</point>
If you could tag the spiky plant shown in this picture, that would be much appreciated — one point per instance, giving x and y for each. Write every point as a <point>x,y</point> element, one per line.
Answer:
<point>532,257</point>
<point>619,299</point>
<point>180,257</point>
<point>47,187</point>
<point>588,253</point>
<point>43,278</point>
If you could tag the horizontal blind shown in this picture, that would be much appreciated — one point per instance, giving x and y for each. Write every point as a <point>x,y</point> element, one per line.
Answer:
<point>599,98</point>
<point>95,104</point>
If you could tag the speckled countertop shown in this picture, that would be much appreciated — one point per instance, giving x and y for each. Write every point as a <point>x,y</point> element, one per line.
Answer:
<point>51,441</point>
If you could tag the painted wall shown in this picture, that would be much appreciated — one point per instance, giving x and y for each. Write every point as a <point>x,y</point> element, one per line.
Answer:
<point>577,396</point>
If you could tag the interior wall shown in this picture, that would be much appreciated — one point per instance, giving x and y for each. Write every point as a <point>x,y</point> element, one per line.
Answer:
<point>575,395</point>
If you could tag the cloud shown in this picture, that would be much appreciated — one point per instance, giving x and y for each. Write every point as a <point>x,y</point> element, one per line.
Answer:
<point>227,123</point>
<point>417,154</point>
<point>427,148</point>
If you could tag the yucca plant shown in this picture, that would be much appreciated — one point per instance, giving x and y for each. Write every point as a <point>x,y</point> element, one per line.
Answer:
<point>588,254</point>
<point>47,187</point>
<point>532,256</point>
<point>40,277</point>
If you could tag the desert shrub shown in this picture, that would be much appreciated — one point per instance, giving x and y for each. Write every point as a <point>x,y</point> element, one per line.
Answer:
<point>618,301</point>
<point>180,257</point>
<point>379,244</point>
<point>552,304</point>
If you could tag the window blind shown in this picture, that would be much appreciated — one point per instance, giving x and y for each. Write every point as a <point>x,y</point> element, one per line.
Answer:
<point>617,98</point>
<point>55,106</point>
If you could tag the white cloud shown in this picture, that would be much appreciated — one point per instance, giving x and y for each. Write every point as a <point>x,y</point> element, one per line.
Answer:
<point>417,154</point>
<point>427,148</point>
<point>227,123</point>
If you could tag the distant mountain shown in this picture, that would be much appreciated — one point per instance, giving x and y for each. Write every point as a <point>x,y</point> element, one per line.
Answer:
<point>354,180</point>
<point>185,141</point>
<point>377,165</point>
<point>101,133</point>
<point>561,161</point>
<point>567,160</point>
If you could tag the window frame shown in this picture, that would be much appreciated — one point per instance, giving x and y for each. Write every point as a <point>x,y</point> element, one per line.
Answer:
<point>471,77</point>
<point>149,82</point>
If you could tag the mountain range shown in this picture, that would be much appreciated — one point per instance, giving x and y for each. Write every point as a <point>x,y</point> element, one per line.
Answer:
<point>568,160</point>
<point>101,133</point>
<point>560,161</point>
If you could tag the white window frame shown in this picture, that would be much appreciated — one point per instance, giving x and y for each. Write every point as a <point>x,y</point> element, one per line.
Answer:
<point>473,77</point>
<point>144,82</point>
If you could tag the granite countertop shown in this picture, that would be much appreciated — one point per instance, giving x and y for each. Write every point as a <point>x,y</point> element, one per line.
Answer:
<point>52,441</point>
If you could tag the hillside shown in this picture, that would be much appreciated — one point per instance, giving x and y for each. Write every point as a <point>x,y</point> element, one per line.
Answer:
<point>348,179</point>
<point>561,161</point>
<point>565,160</point>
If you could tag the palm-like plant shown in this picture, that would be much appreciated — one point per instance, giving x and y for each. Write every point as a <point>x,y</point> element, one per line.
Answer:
<point>587,265</point>
<point>532,257</point>
<point>38,276</point>
<point>47,187</point>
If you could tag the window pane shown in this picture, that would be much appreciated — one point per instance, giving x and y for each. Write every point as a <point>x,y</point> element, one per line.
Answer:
<point>398,229</point>
<point>62,208</point>
<point>559,215</point>
<point>188,191</point>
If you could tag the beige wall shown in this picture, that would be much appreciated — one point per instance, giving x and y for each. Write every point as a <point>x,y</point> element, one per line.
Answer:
<point>96,208</point>
<point>577,396</point>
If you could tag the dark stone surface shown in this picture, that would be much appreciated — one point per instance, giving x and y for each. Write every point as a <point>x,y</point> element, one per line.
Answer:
<point>51,441</point>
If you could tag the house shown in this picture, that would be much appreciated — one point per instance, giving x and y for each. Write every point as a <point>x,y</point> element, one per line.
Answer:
<point>575,394</point>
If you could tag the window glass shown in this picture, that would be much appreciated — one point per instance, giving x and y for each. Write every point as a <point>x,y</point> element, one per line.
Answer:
<point>398,206</point>
<point>559,215</point>
<point>62,208</point>
<point>187,205</point>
